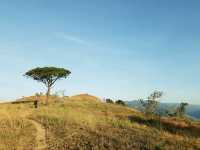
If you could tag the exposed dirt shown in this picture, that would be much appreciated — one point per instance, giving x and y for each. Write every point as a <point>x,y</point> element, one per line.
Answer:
<point>40,136</point>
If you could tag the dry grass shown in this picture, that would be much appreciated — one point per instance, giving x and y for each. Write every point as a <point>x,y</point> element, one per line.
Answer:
<point>88,124</point>
<point>15,131</point>
<point>83,123</point>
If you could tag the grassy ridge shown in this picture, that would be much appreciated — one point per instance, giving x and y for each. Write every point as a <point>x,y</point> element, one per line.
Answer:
<point>86,123</point>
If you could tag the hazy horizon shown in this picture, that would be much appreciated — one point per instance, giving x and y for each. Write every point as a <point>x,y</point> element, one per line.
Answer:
<point>114,48</point>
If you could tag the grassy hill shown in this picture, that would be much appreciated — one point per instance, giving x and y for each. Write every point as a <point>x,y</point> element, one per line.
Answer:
<point>84,122</point>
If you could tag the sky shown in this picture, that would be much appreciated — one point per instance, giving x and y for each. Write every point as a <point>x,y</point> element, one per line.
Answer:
<point>121,49</point>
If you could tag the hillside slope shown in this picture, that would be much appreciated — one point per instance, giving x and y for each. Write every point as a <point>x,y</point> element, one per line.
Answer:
<point>84,122</point>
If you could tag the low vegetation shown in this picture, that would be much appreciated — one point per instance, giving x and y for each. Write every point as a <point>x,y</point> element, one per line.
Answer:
<point>16,132</point>
<point>84,122</point>
<point>151,104</point>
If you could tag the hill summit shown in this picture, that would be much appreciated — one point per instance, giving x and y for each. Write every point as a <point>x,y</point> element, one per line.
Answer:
<point>84,122</point>
<point>83,97</point>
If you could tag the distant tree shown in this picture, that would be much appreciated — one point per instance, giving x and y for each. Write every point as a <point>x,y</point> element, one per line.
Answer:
<point>62,93</point>
<point>108,100</point>
<point>181,110</point>
<point>120,102</point>
<point>48,76</point>
<point>38,94</point>
<point>150,105</point>
<point>170,112</point>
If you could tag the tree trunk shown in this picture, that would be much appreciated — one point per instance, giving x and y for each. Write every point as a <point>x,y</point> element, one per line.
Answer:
<point>47,95</point>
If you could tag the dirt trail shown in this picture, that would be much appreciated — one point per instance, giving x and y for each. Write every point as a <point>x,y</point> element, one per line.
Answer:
<point>40,132</point>
<point>40,136</point>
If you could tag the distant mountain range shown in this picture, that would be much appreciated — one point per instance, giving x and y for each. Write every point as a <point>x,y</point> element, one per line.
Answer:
<point>191,110</point>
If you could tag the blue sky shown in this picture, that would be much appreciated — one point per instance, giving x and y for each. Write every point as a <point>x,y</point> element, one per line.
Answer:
<point>115,48</point>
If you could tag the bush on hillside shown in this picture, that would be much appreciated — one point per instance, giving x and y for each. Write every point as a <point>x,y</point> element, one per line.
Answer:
<point>120,102</point>
<point>108,100</point>
<point>181,110</point>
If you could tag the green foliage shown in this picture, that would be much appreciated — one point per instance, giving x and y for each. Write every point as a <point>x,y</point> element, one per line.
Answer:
<point>180,111</point>
<point>108,100</point>
<point>155,95</point>
<point>38,94</point>
<point>158,147</point>
<point>150,105</point>
<point>48,76</point>
<point>120,102</point>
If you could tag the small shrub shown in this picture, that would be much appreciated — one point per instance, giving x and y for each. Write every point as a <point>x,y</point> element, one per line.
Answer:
<point>120,102</point>
<point>108,100</point>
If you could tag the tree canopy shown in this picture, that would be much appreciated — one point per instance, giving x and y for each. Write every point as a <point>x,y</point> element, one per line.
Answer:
<point>48,76</point>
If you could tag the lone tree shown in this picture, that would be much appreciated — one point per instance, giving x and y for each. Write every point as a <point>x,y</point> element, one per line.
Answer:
<point>181,110</point>
<point>48,76</point>
<point>151,104</point>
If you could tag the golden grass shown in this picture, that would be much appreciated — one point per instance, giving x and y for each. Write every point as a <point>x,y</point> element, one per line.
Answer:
<point>83,123</point>
<point>15,131</point>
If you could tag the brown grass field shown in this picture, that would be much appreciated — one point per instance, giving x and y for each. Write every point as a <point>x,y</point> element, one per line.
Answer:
<point>83,122</point>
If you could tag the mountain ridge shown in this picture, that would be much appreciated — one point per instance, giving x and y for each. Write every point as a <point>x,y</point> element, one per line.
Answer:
<point>192,110</point>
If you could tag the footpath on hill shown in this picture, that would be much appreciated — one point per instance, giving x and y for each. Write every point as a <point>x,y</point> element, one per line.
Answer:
<point>40,135</point>
<point>40,132</point>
